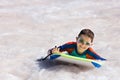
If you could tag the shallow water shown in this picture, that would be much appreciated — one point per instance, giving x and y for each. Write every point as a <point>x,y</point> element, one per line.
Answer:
<point>29,28</point>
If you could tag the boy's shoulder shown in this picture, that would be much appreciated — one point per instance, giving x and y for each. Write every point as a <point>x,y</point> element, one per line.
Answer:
<point>68,45</point>
<point>92,50</point>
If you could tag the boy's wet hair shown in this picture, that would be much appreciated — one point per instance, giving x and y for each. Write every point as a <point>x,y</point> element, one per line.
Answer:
<point>88,33</point>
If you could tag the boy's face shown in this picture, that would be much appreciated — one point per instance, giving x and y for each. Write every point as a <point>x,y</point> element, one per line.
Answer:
<point>83,43</point>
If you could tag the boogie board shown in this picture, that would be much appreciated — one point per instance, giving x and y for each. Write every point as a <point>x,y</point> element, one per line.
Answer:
<point>77,60</point>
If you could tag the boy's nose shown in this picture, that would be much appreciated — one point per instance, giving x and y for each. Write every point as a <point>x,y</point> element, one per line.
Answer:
<point>83,44</point>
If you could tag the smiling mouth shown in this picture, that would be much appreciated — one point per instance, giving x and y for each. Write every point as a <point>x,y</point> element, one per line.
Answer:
<point>81,47</point>
<point>81,50</point>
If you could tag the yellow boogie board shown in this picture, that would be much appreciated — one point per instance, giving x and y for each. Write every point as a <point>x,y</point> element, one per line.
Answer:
<point>77,60</point>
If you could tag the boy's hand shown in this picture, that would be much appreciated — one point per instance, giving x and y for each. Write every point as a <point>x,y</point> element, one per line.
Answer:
<point>56,50</point>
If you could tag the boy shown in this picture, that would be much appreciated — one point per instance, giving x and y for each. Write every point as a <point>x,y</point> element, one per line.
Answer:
<point>80,48</point>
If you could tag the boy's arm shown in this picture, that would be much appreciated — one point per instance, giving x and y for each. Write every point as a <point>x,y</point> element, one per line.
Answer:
<point>66,47</point>
<point>95,55</point>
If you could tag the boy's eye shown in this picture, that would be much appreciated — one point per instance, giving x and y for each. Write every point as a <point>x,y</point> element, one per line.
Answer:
<point>80,40</point>
<point>87,43</point>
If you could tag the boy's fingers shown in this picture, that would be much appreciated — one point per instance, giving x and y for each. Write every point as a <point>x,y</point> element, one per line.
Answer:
<point>55,49</point>
<point>58,49</point>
